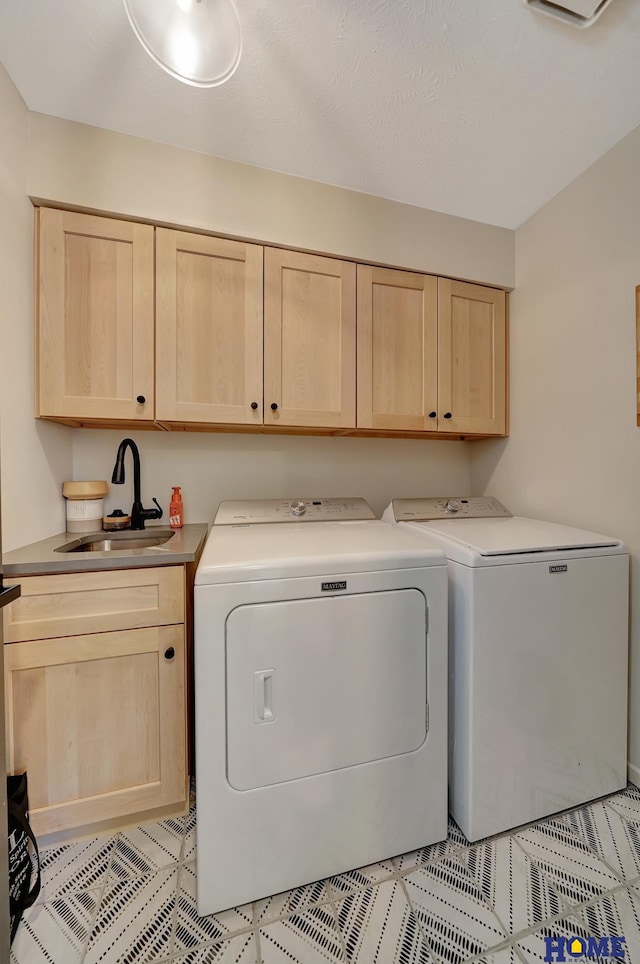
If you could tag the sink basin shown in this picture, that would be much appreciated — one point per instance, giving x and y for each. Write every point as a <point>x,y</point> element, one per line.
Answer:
<point>117,541</point>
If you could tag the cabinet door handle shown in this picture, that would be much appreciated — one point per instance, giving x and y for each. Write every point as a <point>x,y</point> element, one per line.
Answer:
<point>447,414</point>
<point>254,405</point>
<point>140,399</point>
<point>432,414</point>
<point>274,406</point>
<point>169,653</point>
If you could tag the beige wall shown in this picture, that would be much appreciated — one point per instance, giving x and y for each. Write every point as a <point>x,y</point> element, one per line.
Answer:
<point>213,467</point>
<point>77,165</point>
<point>574,451</point>
<point>35,456</point>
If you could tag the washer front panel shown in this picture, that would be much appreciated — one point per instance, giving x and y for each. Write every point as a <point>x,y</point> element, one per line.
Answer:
<point>539,689</point>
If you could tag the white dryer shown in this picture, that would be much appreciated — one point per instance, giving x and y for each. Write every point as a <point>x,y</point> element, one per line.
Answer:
<point>321,696</point>
<point>538,629</point>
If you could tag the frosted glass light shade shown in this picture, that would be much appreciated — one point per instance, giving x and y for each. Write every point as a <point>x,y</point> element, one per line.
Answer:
<point>196,41</point>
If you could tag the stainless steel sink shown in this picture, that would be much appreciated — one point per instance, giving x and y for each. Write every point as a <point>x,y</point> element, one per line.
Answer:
<point>118,541</point>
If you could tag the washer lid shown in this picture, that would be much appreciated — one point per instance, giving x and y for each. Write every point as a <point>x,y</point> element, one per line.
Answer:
<point>512,536</point>
<point>279,551</point>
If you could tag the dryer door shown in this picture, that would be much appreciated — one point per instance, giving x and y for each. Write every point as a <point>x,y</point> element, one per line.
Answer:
<point>319,684</point>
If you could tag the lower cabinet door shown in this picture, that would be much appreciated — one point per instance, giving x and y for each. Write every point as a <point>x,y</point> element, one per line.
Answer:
<point>98,723</point>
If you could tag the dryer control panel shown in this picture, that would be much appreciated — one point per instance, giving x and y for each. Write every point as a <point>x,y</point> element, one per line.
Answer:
<point>453,507</point>
<point>255,512</point>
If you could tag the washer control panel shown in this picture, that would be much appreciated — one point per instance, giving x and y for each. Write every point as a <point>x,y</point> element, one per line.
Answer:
<point>255,512</point>
<point>453,507</point>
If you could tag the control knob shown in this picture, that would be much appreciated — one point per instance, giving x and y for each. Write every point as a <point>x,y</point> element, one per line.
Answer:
<point>298,508</point>
<point>452,506</point>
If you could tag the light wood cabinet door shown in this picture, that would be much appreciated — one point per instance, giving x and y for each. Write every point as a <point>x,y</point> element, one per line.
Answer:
<point>95,317</point>
<point>98,722</point>
<point>310,340</point>
<point>397,349</point>
<point>208,329</point>
<point>70,604</point>
<point>471,358</point>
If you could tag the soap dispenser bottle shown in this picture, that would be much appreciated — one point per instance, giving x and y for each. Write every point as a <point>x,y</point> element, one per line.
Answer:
<point>176,509</point>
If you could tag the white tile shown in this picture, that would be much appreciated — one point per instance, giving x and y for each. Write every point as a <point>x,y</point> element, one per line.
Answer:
<point>507,955</point>
<point>191,929</point>
<point>57,931</point>
<point>457,921</point>
<point>290,902</point>
<point>190,834</point>
<point>616,914</point>
<point>379,927</point>
<point>143,850</point>
<point>309,938</point>
<point>574,872</point>
<point>343,884</point>
<point>626,803</point>
<point>455,842</point>
<point>457,897</point>
<point>135,920</point>
<point>72,867</point>
<point>238,950</point>
<point>511,884</point>
<point>609,835</point>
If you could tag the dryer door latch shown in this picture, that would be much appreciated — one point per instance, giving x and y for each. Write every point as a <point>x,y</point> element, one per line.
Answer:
<point>264,685</point>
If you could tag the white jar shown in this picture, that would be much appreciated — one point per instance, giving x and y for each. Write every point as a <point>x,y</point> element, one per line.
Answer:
<point>84,515</point>
<point>85,505</point>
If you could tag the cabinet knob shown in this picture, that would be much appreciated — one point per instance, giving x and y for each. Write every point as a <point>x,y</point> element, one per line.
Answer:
<point>254,405</point>
<point>169,653</point>
<point>140,399</point>
<point>432,414</point>
<point>447,414</point>
<point>274,406</point>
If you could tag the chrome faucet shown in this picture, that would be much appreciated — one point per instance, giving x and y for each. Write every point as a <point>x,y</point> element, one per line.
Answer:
<point>138,514</point>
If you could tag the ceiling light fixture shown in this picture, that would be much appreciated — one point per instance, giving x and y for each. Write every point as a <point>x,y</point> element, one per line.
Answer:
<point>579,13</point>
<point>197,41</point>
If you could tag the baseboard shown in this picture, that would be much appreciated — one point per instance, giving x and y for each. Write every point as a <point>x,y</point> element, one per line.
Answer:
<point>633,773</point>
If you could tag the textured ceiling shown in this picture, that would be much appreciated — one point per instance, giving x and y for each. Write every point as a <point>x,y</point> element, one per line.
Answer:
<point>479,108</point>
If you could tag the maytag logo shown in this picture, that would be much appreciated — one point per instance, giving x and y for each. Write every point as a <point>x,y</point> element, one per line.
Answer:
<point>557,568</point>
<point>334,586</point>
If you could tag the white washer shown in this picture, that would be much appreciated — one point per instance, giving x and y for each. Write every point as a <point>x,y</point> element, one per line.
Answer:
<point>538,629</point>
<point>321,704</point>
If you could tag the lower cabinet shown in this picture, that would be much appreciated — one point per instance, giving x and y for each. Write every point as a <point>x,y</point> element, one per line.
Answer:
<point>98,720</point>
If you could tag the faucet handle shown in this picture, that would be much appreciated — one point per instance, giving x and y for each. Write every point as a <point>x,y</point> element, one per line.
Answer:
<point>159,513</point>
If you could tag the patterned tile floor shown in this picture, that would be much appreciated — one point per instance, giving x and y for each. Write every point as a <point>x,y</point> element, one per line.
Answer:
<point>131,898</point>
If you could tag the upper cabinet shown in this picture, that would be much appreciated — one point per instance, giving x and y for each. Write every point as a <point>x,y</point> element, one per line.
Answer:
<point>472,358</point>
<point>397,349</point>
<point>142,325</point>
<point>95,317</point>
<point>431,354</point>
<point>208,329</point>
<point>309,340</point>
